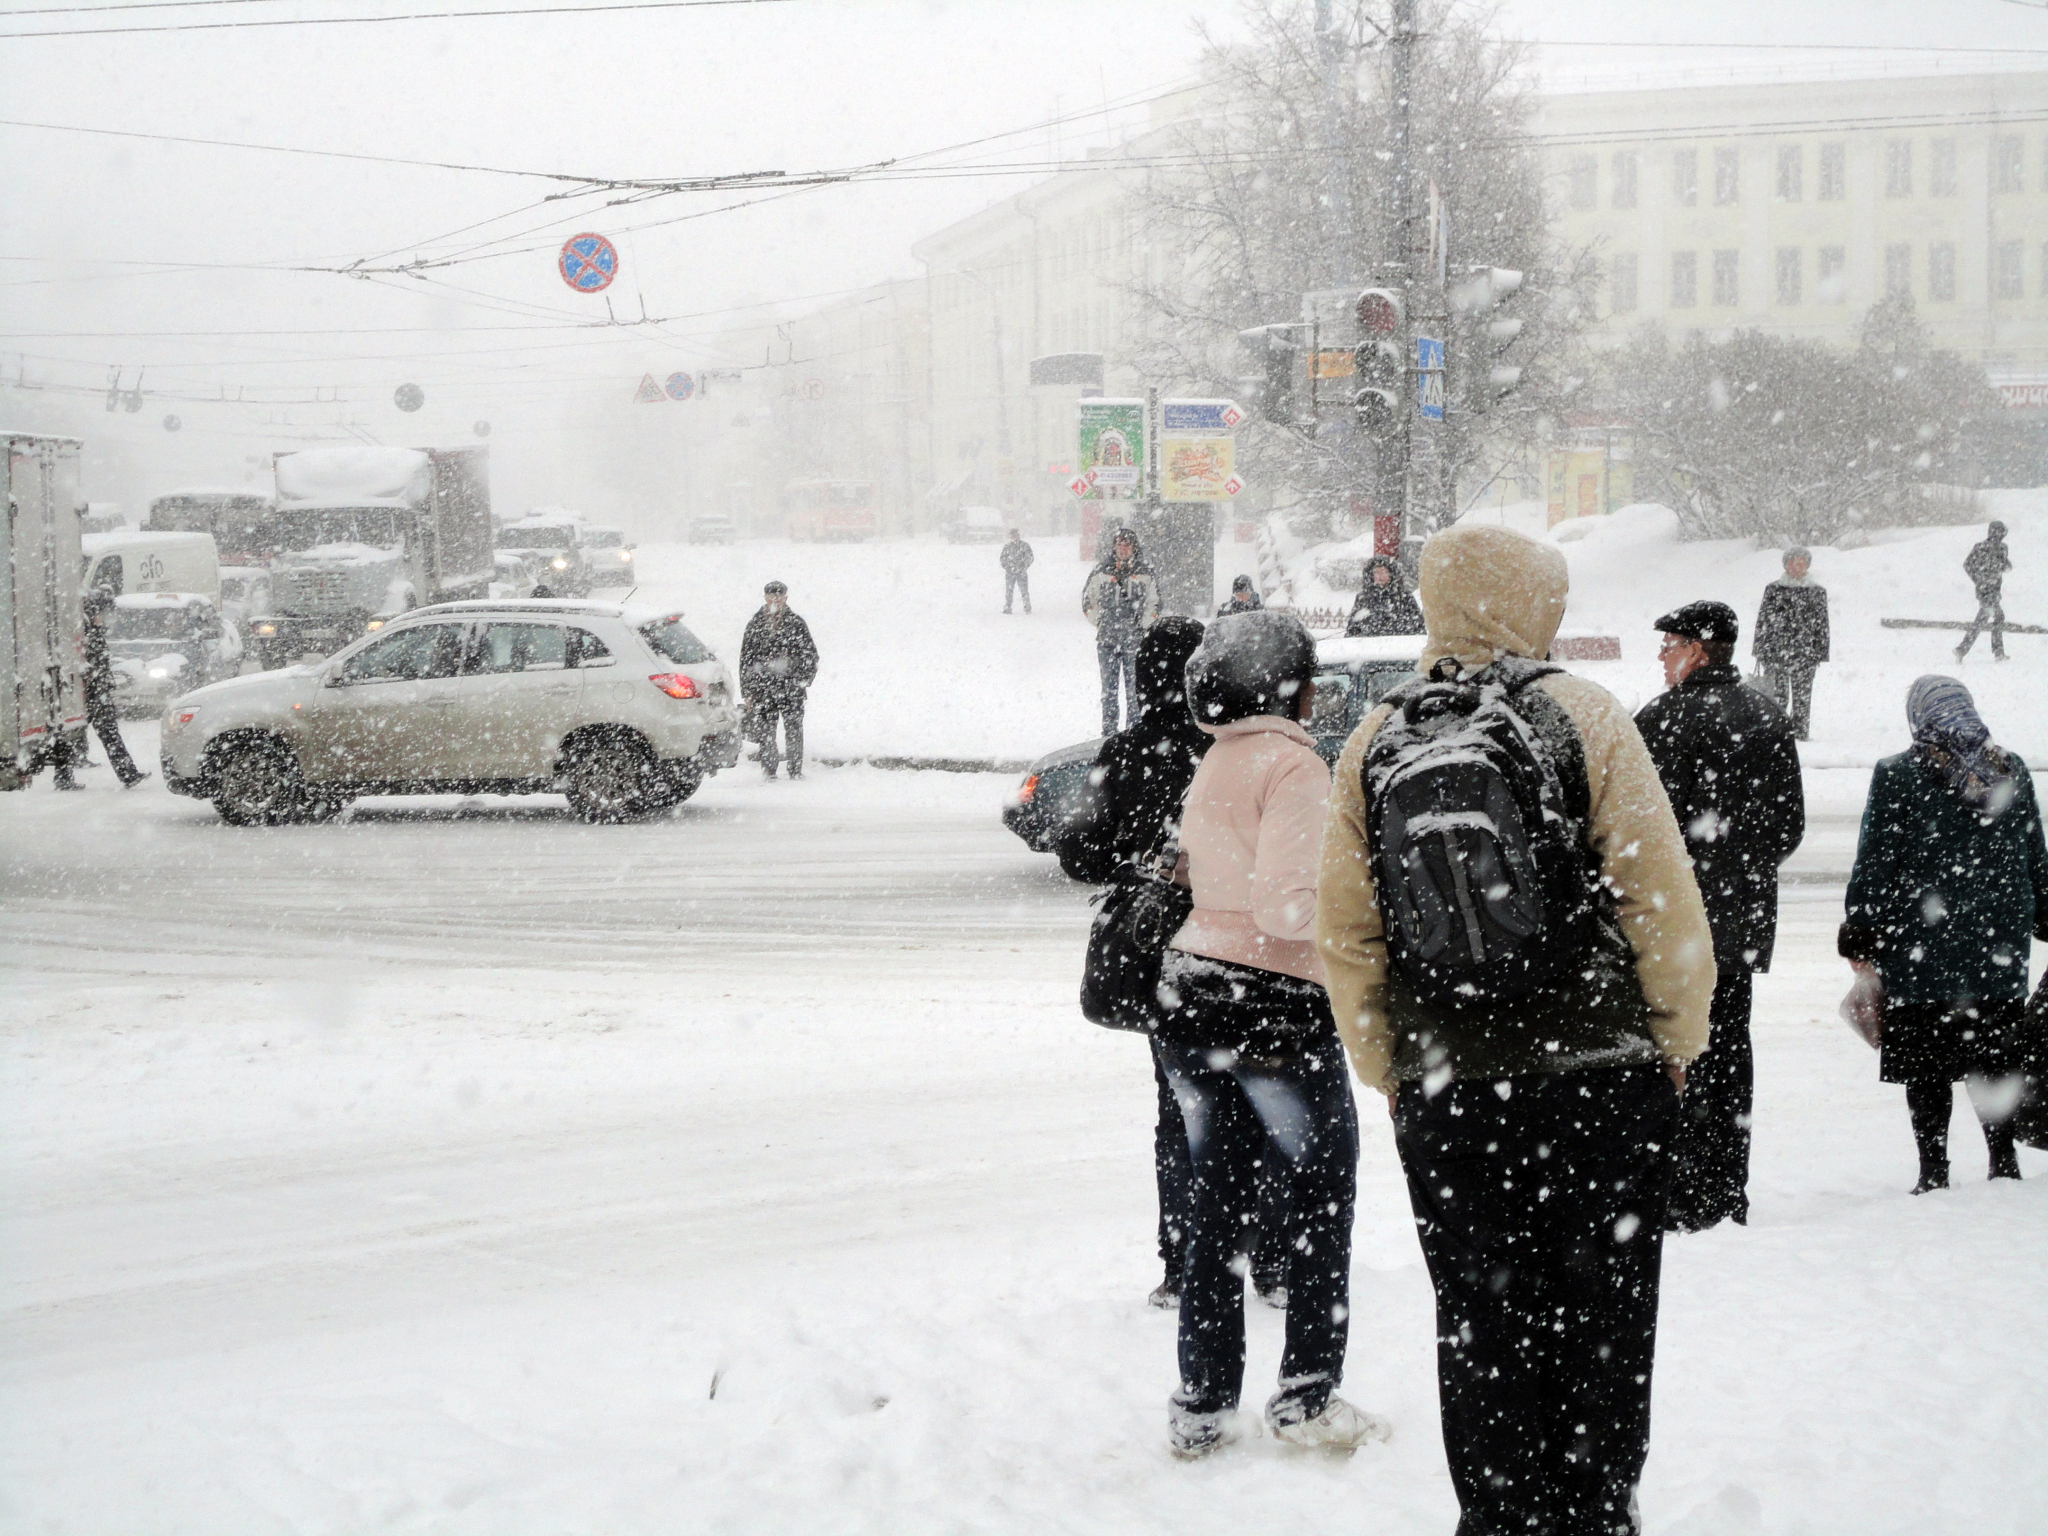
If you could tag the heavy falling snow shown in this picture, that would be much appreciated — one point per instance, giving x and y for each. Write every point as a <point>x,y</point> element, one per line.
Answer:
<point>461,1167</point>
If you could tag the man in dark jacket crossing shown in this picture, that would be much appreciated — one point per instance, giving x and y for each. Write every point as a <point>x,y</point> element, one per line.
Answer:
<point>1725,755</point>
<point>100,714</point>
<point>778,662</point>
<point>1986,565</point>
<point>1791,638</point>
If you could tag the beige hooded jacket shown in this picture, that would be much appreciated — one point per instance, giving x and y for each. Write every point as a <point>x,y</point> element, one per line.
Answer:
<point>1486,593</point>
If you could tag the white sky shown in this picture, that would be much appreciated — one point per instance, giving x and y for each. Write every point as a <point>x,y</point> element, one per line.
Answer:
<point>795,85</point>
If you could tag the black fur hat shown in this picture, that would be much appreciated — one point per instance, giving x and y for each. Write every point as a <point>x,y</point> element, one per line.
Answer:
<point>1249,664</point>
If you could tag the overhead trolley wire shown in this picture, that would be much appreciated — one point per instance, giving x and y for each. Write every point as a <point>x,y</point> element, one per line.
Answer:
<point>351,21</point>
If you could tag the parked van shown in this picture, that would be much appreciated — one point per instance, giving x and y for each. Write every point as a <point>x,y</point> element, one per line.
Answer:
<point>125,562</point>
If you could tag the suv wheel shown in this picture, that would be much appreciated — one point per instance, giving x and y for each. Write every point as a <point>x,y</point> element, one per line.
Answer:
<point>257,785</point>
<point>611,780</point>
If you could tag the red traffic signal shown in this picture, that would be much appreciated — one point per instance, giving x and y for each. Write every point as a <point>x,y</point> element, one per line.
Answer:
<point>1379,311</point>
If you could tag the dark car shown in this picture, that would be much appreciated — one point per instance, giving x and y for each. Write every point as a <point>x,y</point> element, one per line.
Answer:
<point>1352,675</point>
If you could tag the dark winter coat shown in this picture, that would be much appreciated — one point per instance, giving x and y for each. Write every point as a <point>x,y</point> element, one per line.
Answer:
<point>1120,601</point>
<point>1726,757</point>
<point>778,658</point>
<point>1986,565</point>
<point>1792,625</point>
<point>1384,610</point>
<point>1017,557</point>
<point>1943,899</point>
<point>1240,602</point>
<point>1142,772</point>
<point>99,667</point>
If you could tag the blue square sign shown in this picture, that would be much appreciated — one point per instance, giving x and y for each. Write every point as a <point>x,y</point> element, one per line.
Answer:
<point>1429,380</point>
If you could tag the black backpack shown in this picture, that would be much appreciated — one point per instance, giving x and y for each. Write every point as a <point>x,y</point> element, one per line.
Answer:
<point>1476,807</point>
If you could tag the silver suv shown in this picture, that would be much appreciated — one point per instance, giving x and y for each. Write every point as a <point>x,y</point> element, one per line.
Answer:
<point>623,709</point>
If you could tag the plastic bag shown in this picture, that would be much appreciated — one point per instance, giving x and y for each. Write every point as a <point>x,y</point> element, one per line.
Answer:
<point>1863,1008</point>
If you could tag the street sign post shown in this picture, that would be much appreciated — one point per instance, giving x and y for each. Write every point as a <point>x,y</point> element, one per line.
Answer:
<point>1429,370</point>
<point>588,263</point>
<point>1198,416</point>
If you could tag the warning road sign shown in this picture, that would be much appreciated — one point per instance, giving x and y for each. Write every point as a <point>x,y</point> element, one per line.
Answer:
<point>588,263</point>
<point>680,386</point>
<point>649,392</point>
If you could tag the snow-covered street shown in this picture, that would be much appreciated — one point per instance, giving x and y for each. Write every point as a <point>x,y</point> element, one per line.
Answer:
<point>466,1168</point>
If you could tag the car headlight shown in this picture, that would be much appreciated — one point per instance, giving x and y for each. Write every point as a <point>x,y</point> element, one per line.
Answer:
<point>374,624</point>
<point>167,666</point>
<point>560,564</point>
<point>266,629</point>
<point>625,554</point>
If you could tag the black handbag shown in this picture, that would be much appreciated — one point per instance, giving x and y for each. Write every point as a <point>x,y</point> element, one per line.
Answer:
<point>1136,919</point>
<point>2030,1120</point>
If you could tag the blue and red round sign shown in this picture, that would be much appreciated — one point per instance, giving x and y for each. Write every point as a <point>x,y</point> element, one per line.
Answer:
<point>680,386</point>
<point>589,263</point>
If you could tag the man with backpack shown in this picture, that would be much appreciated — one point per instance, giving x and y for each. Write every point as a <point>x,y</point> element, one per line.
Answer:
<point>1725,754</point>
<point>1518,957</point>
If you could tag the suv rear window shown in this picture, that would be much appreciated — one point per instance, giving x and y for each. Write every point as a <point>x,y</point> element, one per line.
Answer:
<point>670,639</point>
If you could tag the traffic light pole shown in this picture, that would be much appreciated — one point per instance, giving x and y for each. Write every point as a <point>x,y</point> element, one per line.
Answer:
<point>1395,480</point>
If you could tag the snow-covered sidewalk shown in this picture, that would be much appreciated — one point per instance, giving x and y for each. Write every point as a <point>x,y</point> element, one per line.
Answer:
<point>427,1172</point>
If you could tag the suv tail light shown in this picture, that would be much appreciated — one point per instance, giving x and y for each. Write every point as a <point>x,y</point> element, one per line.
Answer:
<point>676,685</point>
<point>1027,789</point>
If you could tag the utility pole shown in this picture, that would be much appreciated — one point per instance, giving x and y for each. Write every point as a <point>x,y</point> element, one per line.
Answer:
<point>1395,478</point>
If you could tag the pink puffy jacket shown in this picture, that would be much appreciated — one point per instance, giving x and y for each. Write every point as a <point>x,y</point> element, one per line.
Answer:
<point>1252,830</point>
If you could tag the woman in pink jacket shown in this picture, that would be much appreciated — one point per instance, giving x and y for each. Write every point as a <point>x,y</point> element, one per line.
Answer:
<point>1249,1046</point>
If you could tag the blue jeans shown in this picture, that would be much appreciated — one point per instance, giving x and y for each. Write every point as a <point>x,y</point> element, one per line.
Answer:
<point>1240,1110</point>
<point>1118,661</point>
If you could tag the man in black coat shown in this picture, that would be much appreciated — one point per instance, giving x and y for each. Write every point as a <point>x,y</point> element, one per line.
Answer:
<point>100,715</point>
<point>1244,598</point>
<point>1016,560</point>
<point>778,661</point>
<point>1986,565</point>
<point>1792,637</point>
<point>1384,605</point>
<point>1727,760</point>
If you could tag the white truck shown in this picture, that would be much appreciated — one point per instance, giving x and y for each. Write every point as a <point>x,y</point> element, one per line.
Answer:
<point>42,620</point>
<point>366,534</point>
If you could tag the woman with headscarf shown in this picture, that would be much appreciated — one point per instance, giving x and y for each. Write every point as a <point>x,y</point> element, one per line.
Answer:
<point>1950,883</point>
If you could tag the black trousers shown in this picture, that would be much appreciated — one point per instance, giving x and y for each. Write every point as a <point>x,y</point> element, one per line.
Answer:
<point>1991,612</point>
<point>1266,1242</point>
<point>102,720</point>
<point>1792,687</point>
<point>1710,1154</point>
<point>1015,582</point>
<point>789,709</point>
<point>1540,1205</point>
<point>1238,1110</point>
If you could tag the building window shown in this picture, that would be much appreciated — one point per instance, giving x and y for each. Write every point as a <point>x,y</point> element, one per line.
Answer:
<point>1834,173</point>
<point>1727,177</point>
<point>1898,271</point>
<point>2009,273</point>
<point>1624,178</point>
<point>1830,285</point>
<point>1791,173</point>
<point>1584,176</point>
<point>1685,279</point>
<point>2007,165</point>
<point>1685,177</point>
<point>1789,265</point>
<point>1898,168</point>
<point>1621,284</point>
<point>1941,272</point>
<point>1728,277</point>
<point>1941,168</point>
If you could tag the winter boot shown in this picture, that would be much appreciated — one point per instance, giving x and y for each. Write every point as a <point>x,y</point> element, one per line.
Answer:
<point>1341,1427</point>
<point>1191,1436</point>
<point>2005,1159</point>
<point>1165,1295</point>
<point>1272,1292</point>
<point>1932,1176</point>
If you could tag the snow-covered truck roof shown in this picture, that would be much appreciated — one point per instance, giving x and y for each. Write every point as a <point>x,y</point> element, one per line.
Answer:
<point>354,476</point>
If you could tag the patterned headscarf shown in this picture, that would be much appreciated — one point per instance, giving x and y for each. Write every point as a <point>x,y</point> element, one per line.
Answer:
<point>1948,733</point>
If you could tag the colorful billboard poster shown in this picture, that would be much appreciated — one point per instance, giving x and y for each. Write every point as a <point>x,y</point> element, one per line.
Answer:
<point>1110,452</point>
<point>1198,468</point>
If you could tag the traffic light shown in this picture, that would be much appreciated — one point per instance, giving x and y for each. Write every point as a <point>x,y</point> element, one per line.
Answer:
<point>1276,354</point>
<point>1379,367</point>
<point>1490,333</point>
<point>1380,312</point>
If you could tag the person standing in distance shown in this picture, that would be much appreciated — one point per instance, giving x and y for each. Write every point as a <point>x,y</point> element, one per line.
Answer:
<point>1532,1127</point>
<point>99,700</point>
<point>1244,598</point>
<point>1986,565</point>
<point>1384,605</point>
<point>778,662</point>
<point>1121,599</point>
<point>1792,637</point>
<point>1016,559</point>
<point>1725,754</point>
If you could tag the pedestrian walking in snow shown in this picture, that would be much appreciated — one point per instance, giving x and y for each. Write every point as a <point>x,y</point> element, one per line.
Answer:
<point>1016,559</point>
<point>1121,599</point>
<point>1725,754</point>
<point>100,715</point>
<point>1792,637</point>
<point>1141,775</point>
<point>778,663</point>
<point>1986,565</point>
<point>1248,1045</point>
<point>1244,598</point>
<point>1531,1029</point>
<point>1384,605</point>
<point>1950,883</point>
